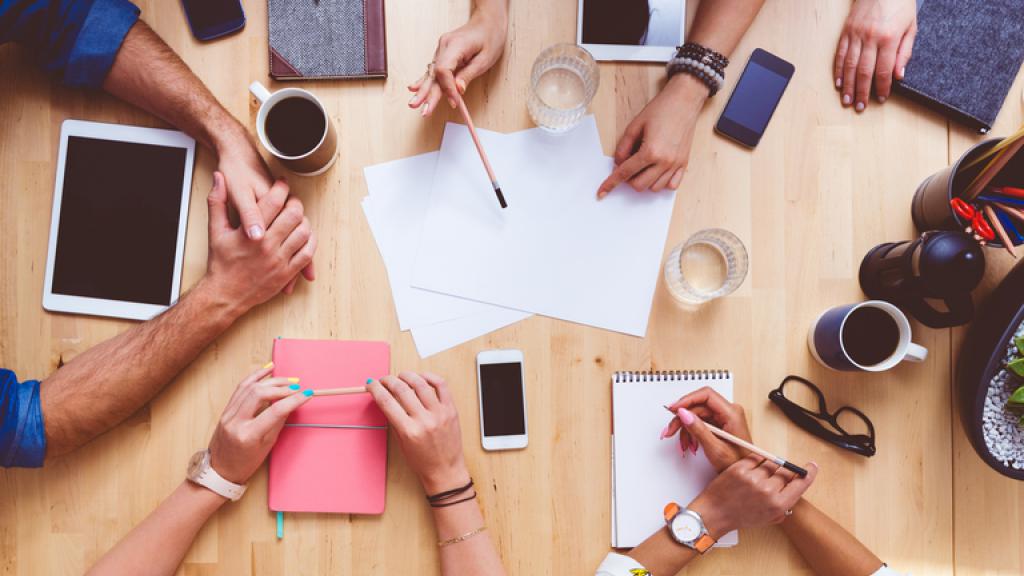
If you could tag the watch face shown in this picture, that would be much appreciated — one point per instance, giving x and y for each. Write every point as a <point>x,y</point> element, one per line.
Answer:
<point>686,528</point>
<point>195,463</point>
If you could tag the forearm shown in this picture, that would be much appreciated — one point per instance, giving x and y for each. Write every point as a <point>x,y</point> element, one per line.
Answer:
<point>721,24</point>
<point>148,74</point>
<point>107,383</point>
<point>474,555</point>
<point>496,8</point>
<point>662,555</point>
<point>158,545</point>
<point>826,546</point>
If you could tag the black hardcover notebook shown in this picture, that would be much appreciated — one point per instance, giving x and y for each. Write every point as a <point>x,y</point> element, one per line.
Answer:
<point>966,56</point>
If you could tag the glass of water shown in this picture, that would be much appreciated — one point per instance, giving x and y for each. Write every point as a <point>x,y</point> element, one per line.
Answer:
<point>711,264</point>
<point>562,84</point>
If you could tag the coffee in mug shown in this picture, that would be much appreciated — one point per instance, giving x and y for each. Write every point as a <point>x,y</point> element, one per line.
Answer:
<point>871,336</point>
<point>293,125</point>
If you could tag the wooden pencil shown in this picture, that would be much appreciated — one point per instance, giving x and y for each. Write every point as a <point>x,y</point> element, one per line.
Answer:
<point>480,150</point>
<point>339,391</point>
<point>1015,213</point>
<point>998,227</point>
<point>991,169</point>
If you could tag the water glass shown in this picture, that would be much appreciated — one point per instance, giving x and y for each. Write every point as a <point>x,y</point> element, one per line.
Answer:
<point>711,264</point>
<point>562,84</point>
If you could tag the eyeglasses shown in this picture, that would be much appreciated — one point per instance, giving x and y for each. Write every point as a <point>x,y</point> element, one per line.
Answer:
<point>815,422</point>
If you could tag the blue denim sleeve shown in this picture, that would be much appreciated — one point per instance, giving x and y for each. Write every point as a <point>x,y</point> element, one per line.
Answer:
<point>76,40</point>
<point>22,435</point>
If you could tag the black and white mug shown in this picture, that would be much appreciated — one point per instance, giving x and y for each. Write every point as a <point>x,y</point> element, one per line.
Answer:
<point>870,336</point>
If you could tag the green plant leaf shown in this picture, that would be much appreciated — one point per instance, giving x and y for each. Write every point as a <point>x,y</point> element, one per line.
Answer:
<point>1019,343</point>
<point>1017,397</point>
<point>1017,366</point>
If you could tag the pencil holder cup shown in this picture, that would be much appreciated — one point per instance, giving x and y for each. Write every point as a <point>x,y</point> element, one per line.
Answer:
<point>931,209</point>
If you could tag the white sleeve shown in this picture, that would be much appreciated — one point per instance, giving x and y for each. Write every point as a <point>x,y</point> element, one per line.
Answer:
<point>619,565</point>
<point>886,571</point>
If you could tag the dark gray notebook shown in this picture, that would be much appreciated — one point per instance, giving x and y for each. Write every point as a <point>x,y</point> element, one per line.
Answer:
<point>966,56</point>
<point>327,39</point>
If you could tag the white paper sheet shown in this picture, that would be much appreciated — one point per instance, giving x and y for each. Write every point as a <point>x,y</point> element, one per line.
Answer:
<point>648,472</point>
<point>441,336</point>
<point>555,250</point>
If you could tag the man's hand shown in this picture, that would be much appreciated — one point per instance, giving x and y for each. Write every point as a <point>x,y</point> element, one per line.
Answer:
<point>248,180</point>
<point>461,56</point>
<point>243,273</point>
<point>875,46</point>
<point>655,148</point>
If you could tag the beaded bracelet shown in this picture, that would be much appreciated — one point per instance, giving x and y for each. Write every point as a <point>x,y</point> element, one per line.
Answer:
<point>702,63</point>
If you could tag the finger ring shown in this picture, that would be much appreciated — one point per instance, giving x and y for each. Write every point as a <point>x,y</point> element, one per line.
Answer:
<point>789,512</point>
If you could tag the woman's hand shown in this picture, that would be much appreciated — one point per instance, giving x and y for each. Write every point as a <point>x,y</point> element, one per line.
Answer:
<point>707,405</point>
<point>461,56</point>
<point>655,148</point>
<point>423,416</point>
<point>875,45</point>
<point>251,422</point>
<point>749,493</point>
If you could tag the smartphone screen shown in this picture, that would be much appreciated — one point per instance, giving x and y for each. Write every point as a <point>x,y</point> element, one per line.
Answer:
<point>210,18</point>
<point>501,398</point>
<point>755,98</point>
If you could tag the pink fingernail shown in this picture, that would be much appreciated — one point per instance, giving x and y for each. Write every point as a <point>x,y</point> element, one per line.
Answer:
<point>839,82</point>
<point>686,416</point>
<point>860,106</point>
<point>847,100</point>
<point>425,109</point>
<point>664,433</point>
<point>693,447</point>
<point>903,71</point>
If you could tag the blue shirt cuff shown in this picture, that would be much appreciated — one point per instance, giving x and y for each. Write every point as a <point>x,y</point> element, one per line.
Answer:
<point>98,42</point>
<point>22,436</point>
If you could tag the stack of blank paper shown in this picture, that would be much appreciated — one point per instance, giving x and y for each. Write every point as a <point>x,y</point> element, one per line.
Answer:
<point>461,267</point>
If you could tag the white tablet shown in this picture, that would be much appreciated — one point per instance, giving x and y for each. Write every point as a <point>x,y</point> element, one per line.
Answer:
<point>639,30</point>
<point>117,232</point>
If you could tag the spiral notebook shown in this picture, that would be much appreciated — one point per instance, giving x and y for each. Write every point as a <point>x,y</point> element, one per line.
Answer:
<point>648,473</point>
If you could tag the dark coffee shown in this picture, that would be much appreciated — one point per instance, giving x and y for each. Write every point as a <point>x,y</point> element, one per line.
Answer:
<point>295,126</point>
<point>870,336</point>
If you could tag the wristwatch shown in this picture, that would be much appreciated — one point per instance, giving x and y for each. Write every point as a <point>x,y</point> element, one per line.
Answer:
<point>687,528</point>
<point>200,472</point>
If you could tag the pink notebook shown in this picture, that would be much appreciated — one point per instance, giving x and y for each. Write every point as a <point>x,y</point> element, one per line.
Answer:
<point>331,455</point>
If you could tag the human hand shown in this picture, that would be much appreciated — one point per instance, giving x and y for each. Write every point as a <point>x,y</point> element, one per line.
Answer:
<point>707,405</point>
<point>242,273</point>
<point>654,150</point>
<point>247,180</point>
<point>251,421</point>
<point>749,493</point>
<point>423,416</point>
<point>461,56</point>
<point>876,43</point>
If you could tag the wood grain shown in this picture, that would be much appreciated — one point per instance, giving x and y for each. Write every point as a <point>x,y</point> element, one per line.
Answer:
<point>823,187</point>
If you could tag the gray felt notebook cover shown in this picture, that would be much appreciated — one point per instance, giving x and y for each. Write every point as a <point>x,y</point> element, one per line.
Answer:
<point>327,39</point>
<point>966,56</point>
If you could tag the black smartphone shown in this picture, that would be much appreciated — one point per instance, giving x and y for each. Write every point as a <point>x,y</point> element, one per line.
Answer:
<point>211,19</point>
<point>755,98</point>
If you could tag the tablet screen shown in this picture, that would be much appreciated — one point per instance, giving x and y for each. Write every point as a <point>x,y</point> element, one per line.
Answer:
<point>119,216</point>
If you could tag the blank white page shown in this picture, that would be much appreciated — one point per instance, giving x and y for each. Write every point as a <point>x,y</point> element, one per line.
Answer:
<point>556,250</point>
<point>648,472</point>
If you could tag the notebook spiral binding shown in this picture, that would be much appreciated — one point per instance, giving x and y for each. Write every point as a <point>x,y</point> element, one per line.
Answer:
<point>671,376</point>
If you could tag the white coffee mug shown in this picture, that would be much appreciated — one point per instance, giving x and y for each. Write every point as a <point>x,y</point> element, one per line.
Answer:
<point>827,344</point>
<point>312,163</point>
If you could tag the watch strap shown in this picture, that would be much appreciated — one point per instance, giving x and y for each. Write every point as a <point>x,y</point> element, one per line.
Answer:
<point>704,543</point>
<point>208,478</point>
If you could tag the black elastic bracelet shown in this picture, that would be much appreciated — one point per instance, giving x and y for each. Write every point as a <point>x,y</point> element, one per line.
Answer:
<point>450,493</point>
<point>447,504</point>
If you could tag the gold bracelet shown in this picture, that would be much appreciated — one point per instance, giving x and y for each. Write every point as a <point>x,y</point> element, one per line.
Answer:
<point>463,538</point>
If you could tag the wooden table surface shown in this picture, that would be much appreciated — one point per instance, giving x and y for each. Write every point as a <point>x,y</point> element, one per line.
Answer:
<point>823,187</point>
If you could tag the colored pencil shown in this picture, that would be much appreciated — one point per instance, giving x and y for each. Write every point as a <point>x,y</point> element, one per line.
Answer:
<point>991,169</point>
<point>1007,191</point>
<point>480,149</point>
<point>998,227</point>
<point>1016,213</point>
<point>1007,223</point>
<point>339,391</point>
<point>997,148</point>
<point>992,199</point>
<point>750,447</point>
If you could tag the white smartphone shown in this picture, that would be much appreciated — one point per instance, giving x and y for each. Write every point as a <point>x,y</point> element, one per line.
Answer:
<point>502,394</point>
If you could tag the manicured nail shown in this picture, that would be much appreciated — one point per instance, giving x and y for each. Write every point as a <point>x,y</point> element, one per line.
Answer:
<point>881,99</point>
<point>847,100</point>
<point>425,109</point>
<point>461,84</point>
<point>451,101</point>
<point>693,447</point>
<point>307,392</point>
<point>369,381</point>
<point>902,72</point>
<point>860,106</point>
<point>255,232</point>
<point>686,416</point>
<point>839,82</point>
<point>268,365</point>
<point>682,449</point>
<point>664,433</point>
<point>294,386</point>
<point>411,100</point>
<point>293,380</point>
